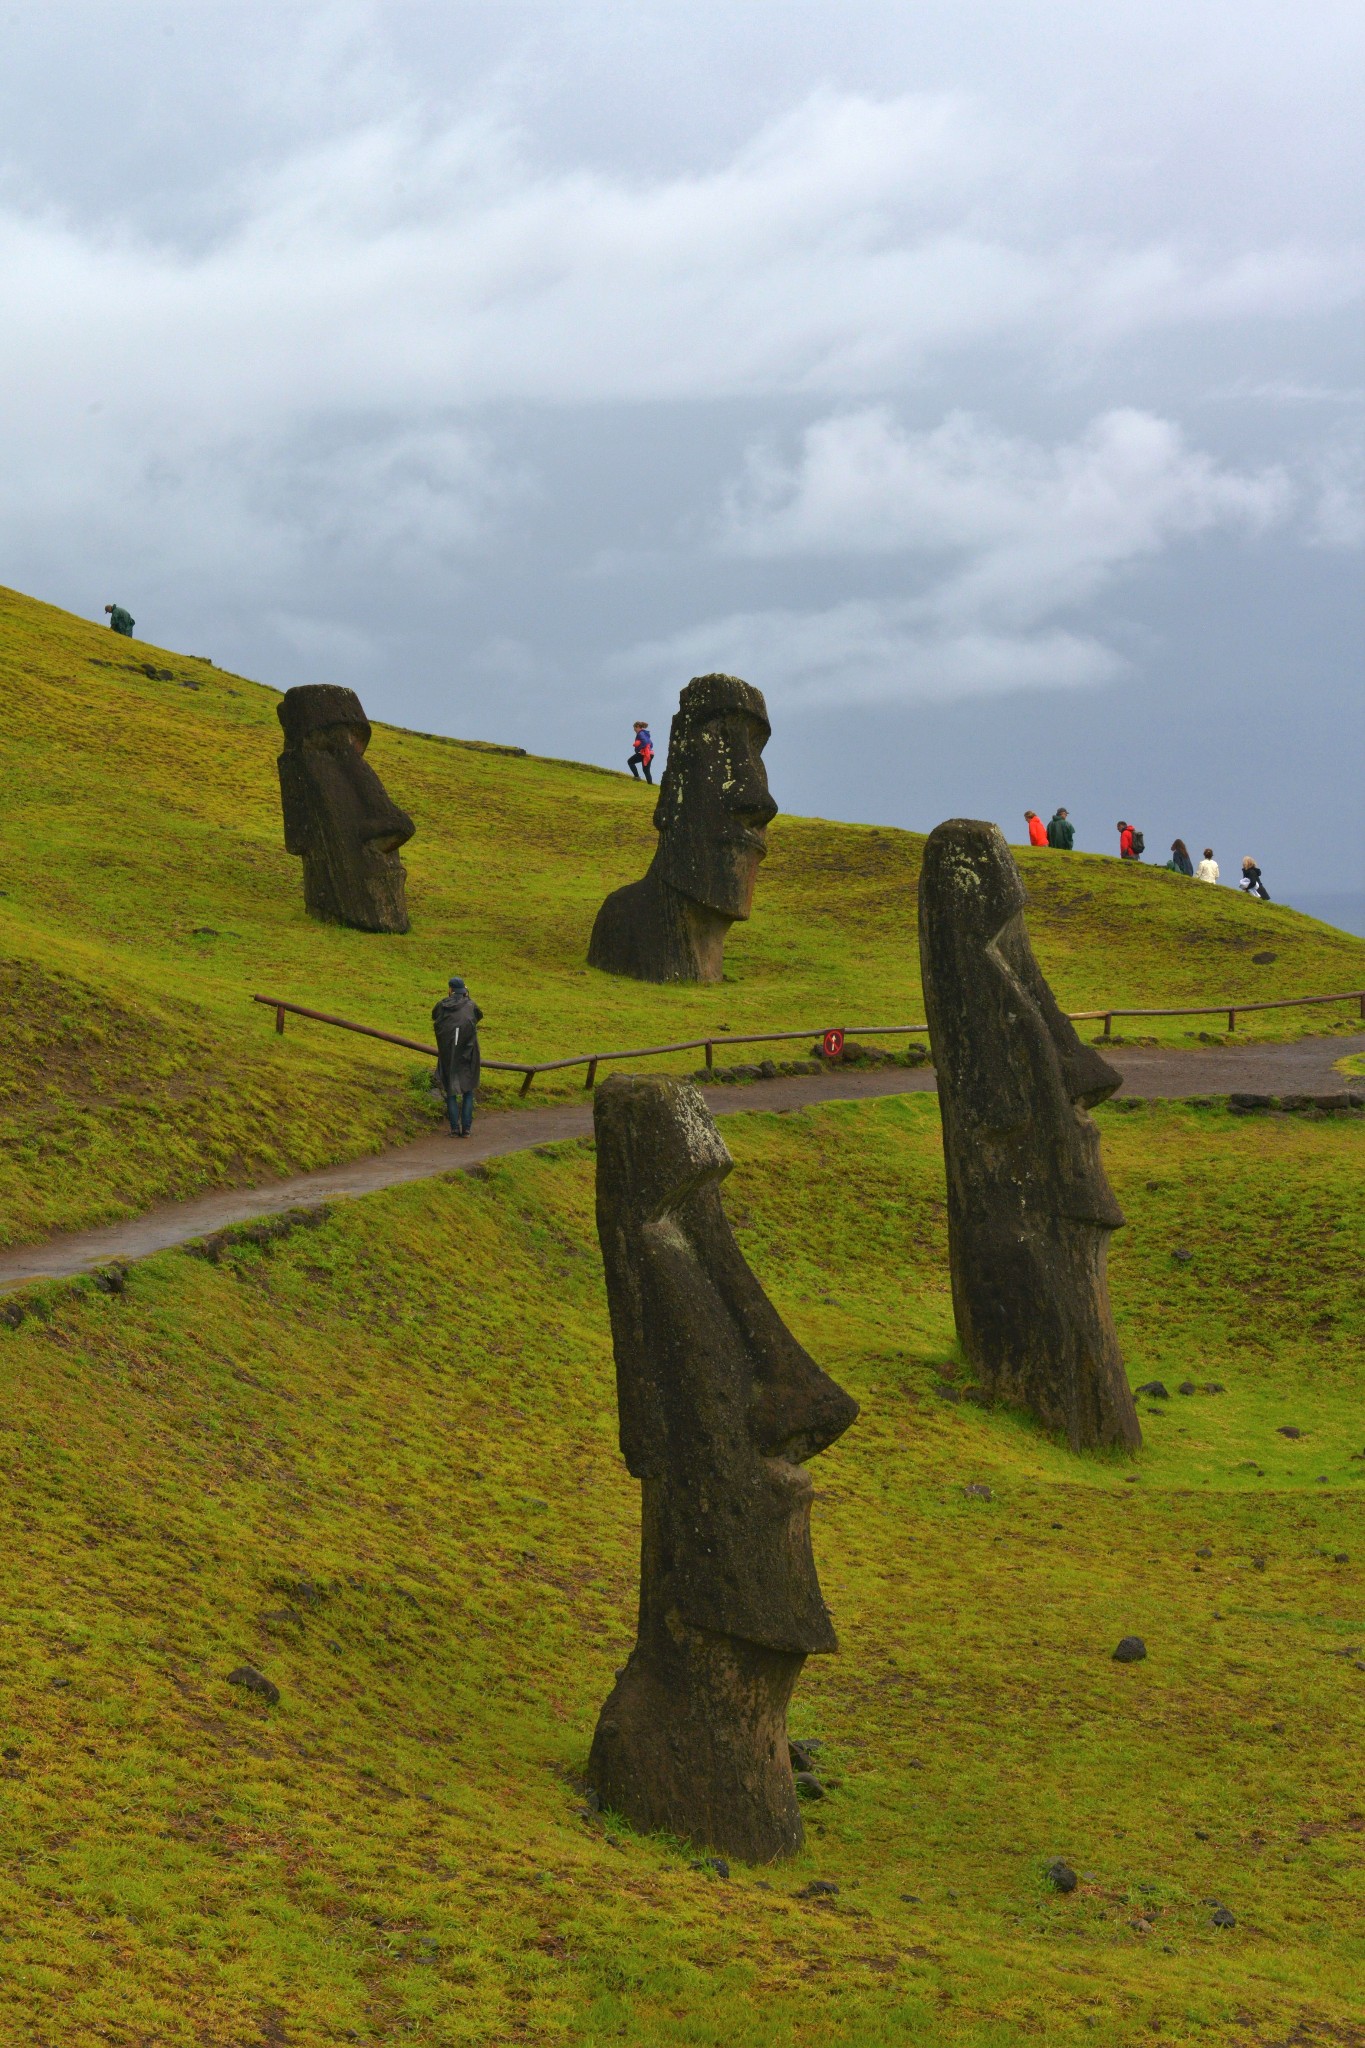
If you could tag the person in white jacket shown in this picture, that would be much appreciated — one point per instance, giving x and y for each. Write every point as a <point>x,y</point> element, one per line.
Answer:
<point>1207,870</point>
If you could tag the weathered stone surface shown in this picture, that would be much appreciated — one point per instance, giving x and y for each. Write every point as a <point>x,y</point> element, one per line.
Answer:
<point>712,818</point>
<point>337,814</point>
<point>1029,1208</point>
<point>719,1409</point>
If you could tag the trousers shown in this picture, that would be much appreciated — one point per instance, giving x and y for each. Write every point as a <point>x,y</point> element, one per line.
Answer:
<point>460,1108</point>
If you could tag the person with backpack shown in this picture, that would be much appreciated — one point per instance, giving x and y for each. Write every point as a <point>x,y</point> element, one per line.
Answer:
<point>1061,833</point>
<point>1207,870</point>
<point>1037,830</point>
<point>643,752</point>
<point>120,620</point>
<point>1251,880</point>
<point>1180,862</point>
<point>456,1018</point>
<point>1132,845</point>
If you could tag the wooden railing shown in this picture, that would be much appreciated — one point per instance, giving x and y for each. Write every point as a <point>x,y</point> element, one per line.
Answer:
<point>708,1045</point>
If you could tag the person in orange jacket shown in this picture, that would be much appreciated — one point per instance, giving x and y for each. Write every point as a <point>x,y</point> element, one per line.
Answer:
<point>1037,830</point>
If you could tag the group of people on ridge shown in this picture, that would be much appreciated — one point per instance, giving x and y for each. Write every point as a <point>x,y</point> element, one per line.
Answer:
<point>1060,832</point>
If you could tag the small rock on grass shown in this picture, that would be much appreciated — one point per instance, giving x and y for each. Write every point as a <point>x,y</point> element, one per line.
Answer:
<point>1223,1918</point>
<point>717,1865</point>
<point>1131,1650</point>
<point>976,1491</point>
<point>1061,1876</point>
<point>808,1786</point>
<point>1154,1389</point>
<point>818,1888</point>
<point>1288,1429</point>
<point>252,1680</point>
<point>1187,1387</point>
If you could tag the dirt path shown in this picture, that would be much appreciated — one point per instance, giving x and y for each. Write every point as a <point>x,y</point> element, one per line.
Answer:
<point>1306,1067</point>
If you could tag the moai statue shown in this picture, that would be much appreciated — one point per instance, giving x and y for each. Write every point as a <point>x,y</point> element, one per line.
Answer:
<point>712,818</point>
<point>337,813</point>
<point>1029,1208</point>
<point>719,1409</point>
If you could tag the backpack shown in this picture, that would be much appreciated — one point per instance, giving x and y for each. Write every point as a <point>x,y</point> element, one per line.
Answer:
<point>1139,844</point>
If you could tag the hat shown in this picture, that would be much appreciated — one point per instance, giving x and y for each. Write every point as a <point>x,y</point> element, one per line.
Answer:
<point>456,983</point>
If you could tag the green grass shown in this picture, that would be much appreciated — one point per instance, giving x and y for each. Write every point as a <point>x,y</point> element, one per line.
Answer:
<point>376,1458</point>
<point>146,894</point>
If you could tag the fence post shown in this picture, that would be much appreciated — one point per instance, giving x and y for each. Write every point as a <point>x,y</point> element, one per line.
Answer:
<point>1108,1024</point>
<point>1362,1004</point>
<point>711,1050</point>
<point>1232,1020</point>
<point>530,1077</point>
<point>592,1073</point>
<point>279,1016</point>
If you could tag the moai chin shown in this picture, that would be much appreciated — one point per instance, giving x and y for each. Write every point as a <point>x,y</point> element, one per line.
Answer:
<point>337,813</point>
<point>719,1409</point>
<point>712,818</point>
<point>1029,1208</point>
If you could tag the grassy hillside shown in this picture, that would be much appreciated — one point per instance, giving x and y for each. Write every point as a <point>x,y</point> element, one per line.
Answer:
<point>145,894</point>
<point>375,1458</point>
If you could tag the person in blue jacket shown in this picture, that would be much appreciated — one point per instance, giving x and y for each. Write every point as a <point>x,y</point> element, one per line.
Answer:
<point>644,752</point>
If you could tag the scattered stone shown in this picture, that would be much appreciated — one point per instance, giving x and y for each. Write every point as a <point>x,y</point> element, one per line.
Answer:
<point>112,1279</point>
<point>976,1491</point>
<point>1341,1557</point>
<point>907,1898</point>
<point>1204,1550</point>
<point>1288,1429</point>
<point>808,1786</point>
<point>1131,1650</point>
<point>1222,1918</point>
<point>1201,1835</point>
<point>1181,1256</point>
<point>1243,1104</point>
<point>252,1680</point>
<point>802,1754</point>
<point>1213,1387</point>
<point>818,1888</point>
<point>1258,1564</point>
<point>1329,1103</point>
<point>1061,1876</point>
<point>12,1314</point>
<point>1187,1387</point>
<point>1155,1390</point>
<point>1263,959</point>
<point>717,1865</point>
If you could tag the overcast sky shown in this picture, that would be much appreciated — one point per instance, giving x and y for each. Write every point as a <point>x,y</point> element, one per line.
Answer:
<point>983,381</point>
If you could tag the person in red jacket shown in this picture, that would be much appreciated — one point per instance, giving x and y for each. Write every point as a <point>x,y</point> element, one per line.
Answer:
<point>1126,840</point>
<point>1037,830</point>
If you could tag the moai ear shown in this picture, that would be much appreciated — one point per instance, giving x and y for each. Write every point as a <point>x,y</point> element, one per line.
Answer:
<point>294,803</point>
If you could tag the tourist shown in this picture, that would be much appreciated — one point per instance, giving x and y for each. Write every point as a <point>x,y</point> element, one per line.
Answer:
<point>644,752</point>
<point>1131,842</point>
<point>1180,862</point>
<point>1251,880</point>
<point>121,621</point>
<point>456,1018</point>
<point>1207,870</point>
<point>1037,830</point>
<point>1060,831</point>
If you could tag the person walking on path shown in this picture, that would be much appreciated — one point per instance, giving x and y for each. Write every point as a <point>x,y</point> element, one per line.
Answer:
<point>1132,845</point>
<point>1061,832</point>
<point>1251,880</point>
<point>643,754</point>
<point>1037,830</point>
<point>1207,870</point>
<point>1180,862</point>
<point>456,1018</point>
<point>120,620</point>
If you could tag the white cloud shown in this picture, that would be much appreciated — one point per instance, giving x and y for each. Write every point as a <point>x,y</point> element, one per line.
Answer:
<point>1002,539</point>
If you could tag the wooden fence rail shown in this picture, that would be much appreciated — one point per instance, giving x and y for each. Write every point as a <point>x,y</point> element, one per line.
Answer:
<point>592,1060</point>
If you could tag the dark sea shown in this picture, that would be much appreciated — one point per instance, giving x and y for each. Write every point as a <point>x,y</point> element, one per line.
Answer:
<point>1343,908</point>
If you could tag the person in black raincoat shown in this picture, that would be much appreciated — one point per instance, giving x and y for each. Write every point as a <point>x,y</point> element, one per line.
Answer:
<point>456,1018</point>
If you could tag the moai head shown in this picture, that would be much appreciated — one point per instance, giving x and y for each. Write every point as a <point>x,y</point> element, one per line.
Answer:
<point>338,815</point>
<point>714,808</point>
<point>1029,1207</point>
<point>719,1407</point>
<point>719,1404</point>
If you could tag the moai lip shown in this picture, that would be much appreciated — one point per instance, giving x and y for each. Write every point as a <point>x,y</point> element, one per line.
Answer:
<point>338,816</point>
<point>712,818</point>
<point>719,1409</point>
<point>1030,1211</point>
